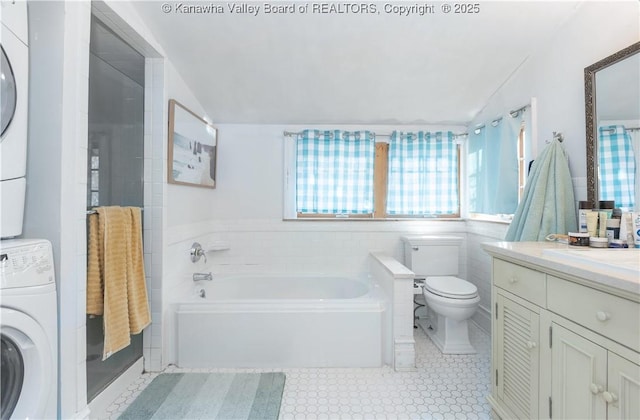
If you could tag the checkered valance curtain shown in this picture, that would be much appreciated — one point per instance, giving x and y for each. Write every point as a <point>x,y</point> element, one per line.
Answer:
<point>334,172</point>
<point>423,174</point>
<point>617,167</point>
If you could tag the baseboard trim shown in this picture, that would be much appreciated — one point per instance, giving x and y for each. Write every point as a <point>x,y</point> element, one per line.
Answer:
<point>98,406</point>
<point>404,359</point>
<point>482,318</point>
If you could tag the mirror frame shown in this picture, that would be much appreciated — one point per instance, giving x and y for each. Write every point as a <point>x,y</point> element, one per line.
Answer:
<point>200,124</point>
<point>590,115</point>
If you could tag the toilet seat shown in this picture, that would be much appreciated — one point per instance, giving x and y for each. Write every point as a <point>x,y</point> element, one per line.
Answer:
<point>450,287</point>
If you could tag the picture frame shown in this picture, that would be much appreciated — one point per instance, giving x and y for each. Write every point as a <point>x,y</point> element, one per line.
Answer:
<point>193,148</point>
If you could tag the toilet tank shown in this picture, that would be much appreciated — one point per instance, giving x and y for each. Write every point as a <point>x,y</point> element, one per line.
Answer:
<point>428,255</point>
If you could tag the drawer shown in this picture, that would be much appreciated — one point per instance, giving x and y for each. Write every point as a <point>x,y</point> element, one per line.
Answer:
<point>611,316</point>
<point>521,281</point>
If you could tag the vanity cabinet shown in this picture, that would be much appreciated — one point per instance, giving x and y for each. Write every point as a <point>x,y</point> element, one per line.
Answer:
<point>562,347</point>
<point>591,382</point>
<point>579,376</point>
<point>517,362</point>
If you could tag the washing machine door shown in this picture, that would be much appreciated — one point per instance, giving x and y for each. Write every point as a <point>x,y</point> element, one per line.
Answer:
<point>27,366</point>
<point>8,92</point>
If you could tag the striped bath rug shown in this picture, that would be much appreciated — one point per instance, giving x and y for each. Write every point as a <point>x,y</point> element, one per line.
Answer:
<point>224,396</point>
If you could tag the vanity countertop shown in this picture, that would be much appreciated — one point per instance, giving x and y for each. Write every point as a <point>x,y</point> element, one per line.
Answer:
<point>602,268</point>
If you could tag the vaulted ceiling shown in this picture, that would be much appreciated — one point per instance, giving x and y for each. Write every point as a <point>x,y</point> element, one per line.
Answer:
<point>369,68</point>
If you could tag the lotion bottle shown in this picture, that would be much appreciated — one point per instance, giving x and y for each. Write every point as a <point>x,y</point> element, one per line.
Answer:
<point>592,223</point>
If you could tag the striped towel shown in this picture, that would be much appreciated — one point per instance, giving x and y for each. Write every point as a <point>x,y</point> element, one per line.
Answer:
<point>116,285</point>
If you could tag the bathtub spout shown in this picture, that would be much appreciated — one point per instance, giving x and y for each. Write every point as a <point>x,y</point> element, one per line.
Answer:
<point>202,276</point>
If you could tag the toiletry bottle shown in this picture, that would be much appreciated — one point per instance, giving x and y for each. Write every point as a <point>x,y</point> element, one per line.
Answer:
<point>613,229</point>
<point>626,228</point>
<point>635,217</point>
<point>616,214</point>
<point>583,208</point>
<point>603,216</point>
<point>592,223</point>
<point>606,205</point>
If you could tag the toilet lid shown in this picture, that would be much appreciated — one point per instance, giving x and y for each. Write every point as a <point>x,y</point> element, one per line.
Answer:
<point>451,287</point>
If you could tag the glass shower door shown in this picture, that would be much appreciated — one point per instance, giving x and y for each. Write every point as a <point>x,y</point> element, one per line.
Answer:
<point>115,168</point>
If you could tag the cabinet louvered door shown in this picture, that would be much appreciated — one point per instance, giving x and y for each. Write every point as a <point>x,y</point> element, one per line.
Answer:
<point>623,389</point>
<point>578,378</point>
<point>517,375</point>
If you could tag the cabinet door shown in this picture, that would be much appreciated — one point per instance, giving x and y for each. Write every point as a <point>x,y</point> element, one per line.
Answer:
<point>518,357</point>
<point>623,388</point>
<point>578,378</point>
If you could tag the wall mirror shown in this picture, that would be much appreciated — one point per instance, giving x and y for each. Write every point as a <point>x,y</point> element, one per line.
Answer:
<point>612,111</point>
<point>193,144</point>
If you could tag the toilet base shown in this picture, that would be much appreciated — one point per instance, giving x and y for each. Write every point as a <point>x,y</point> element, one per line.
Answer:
<point>450,336</point>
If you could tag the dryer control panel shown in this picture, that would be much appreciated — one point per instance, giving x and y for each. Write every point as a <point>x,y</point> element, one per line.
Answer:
<point>25,262</point>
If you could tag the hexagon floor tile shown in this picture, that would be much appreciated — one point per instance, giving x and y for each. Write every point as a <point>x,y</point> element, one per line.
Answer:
<point>442,387</point>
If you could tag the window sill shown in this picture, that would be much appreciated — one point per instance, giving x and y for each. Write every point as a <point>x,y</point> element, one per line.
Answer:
<point>505,219</point>
<point>371,219</point>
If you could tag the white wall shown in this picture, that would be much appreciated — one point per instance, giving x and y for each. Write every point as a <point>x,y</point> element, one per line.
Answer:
<point>555,76</point>
<point>56,173</point>
<point>479,265</point>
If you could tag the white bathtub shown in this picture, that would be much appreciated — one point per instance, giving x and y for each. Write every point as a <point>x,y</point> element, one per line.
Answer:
<point>282,321</point>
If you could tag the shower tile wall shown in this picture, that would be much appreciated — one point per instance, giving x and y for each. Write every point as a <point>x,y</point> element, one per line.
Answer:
<point>277,247</point>
<point>155,161</point>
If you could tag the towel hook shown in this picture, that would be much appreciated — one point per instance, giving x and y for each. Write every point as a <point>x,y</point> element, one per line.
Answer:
<point>556,136</point>
<point>196,252</point>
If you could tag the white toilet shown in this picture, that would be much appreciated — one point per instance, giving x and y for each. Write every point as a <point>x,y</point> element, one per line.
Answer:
<point>451,299</point>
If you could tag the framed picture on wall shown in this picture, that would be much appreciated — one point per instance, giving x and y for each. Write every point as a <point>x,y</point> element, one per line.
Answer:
<point>193,144</point>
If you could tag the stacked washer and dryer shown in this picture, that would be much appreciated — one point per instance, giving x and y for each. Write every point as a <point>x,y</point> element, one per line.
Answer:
<point>28,330</point>
<point>28,303</point>
<point>14,98</point>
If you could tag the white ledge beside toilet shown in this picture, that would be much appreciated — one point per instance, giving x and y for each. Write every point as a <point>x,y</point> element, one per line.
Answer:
<point>397,281</point>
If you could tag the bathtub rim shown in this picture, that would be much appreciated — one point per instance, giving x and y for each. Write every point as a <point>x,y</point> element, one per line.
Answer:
<point>374,300</point>
<point>372,288</point>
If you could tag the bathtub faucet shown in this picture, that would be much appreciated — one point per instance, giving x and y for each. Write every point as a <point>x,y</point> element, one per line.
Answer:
<point>202,276</point>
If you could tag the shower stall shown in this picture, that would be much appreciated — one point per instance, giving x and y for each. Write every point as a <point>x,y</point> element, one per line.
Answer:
<point>115,167</point>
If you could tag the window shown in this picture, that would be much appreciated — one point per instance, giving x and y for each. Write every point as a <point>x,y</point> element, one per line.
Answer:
<point>94,175</point>
<point>334,173</point>
<point>349,174</point>
<point>423,174</point>
<point>497,165</point>
<point>523,169</point>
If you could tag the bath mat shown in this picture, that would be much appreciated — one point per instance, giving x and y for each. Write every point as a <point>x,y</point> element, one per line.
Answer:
<point>224,396</point>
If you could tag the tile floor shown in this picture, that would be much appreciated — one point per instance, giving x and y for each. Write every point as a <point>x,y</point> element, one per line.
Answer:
<point>442,387</point>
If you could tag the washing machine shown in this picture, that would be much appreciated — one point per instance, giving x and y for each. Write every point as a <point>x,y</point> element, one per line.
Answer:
<point>14,96</point>
<point>28,330</point>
